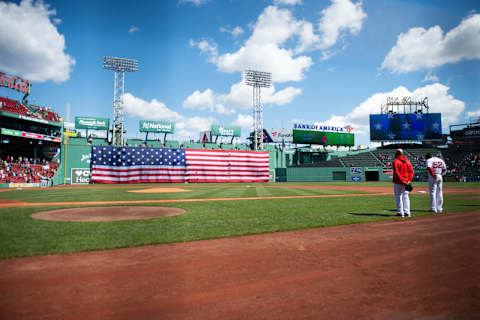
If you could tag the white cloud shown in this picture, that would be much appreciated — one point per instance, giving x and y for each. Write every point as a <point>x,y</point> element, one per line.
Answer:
<point>207,47</point>
<point>264,50</point>
<point>269,58</point>
<point>195,2</point>
<point>287,2</point>
<point>153,110</point>
<point>278,40</point>
<point>342,15</point>
<point>419,48</point>
<point>206,101</point>
<point>475,113</point>
<point>240,96</point>
<point>133,29</point>
<point>156,110</point>
<point>235,32</point>
<point>244,121</point>
<point>30,43</point>
<point>430,77</point>
<point>191,127</point>
<point>284,96</point>
<point>439,100</point>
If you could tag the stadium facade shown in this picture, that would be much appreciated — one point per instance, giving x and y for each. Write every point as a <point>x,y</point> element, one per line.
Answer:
<point>38,150</point>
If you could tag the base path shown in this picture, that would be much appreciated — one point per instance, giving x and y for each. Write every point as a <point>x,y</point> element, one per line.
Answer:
<point>419,268</point>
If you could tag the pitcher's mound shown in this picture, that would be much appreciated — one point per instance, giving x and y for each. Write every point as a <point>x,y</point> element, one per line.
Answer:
<point>117,213</point>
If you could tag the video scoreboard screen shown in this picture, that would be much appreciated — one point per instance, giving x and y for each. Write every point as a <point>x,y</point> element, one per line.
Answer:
<point>407,126</point>
<point>326,138</point>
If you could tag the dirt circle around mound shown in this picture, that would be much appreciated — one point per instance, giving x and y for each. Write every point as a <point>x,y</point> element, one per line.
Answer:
<point>106,214</point>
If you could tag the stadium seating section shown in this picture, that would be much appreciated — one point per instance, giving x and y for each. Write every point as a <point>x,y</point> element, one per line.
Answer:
<point>462,162</point>
<point>25,172</point>
<point>14,106</point>
<point>379,157</point>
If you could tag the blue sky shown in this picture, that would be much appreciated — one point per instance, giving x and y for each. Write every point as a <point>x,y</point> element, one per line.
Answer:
<point>332,62</point>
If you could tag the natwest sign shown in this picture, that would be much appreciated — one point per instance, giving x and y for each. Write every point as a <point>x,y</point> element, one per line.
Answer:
<point>156,126</point>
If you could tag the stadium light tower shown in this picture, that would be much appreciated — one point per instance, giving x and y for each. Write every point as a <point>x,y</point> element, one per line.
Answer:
<point>258,80</point>
<point>120,66</point>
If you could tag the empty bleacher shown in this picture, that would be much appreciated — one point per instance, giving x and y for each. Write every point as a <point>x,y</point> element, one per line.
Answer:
<point>332,163</point>
<point>362,159</point>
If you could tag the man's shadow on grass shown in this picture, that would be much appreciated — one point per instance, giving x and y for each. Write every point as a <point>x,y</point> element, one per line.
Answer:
<point>371,214</point>
<point>381,214</point>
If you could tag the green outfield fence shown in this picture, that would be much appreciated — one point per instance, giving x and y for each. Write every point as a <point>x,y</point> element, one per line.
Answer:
<point>313,174</point>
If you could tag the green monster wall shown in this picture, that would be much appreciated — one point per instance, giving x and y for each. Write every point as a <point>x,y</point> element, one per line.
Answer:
<point>74,156</point>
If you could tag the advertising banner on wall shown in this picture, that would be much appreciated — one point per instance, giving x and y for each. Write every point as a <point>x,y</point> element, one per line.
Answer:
<point>278,135</point>
<point>92,123</point>
<point>205,136</point>
<point>29,135</point>
<point>156,126</point>
<point>80,176</point>
<point>356,170</point>
<point>468,133</point>
<point>226,131</point>
<point>323,138</point>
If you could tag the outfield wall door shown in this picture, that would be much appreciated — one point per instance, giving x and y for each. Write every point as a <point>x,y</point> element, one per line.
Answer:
<point>339,176</point>
<point>372,176</point>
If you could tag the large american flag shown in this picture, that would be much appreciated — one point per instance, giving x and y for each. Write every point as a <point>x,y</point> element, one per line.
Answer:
<point>147,165</point>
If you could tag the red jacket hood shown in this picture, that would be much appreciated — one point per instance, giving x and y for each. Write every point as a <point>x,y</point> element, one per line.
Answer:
<point>402,170</point>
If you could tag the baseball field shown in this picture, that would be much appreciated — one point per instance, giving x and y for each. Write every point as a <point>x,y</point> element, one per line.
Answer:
<point>238,251</point>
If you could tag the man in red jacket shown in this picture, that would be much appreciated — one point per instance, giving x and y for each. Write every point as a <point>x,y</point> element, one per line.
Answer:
<point>402,174</point>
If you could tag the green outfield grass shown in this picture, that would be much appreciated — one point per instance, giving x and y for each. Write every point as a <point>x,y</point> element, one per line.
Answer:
<point>198,191</point>
<point>21,235</point>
